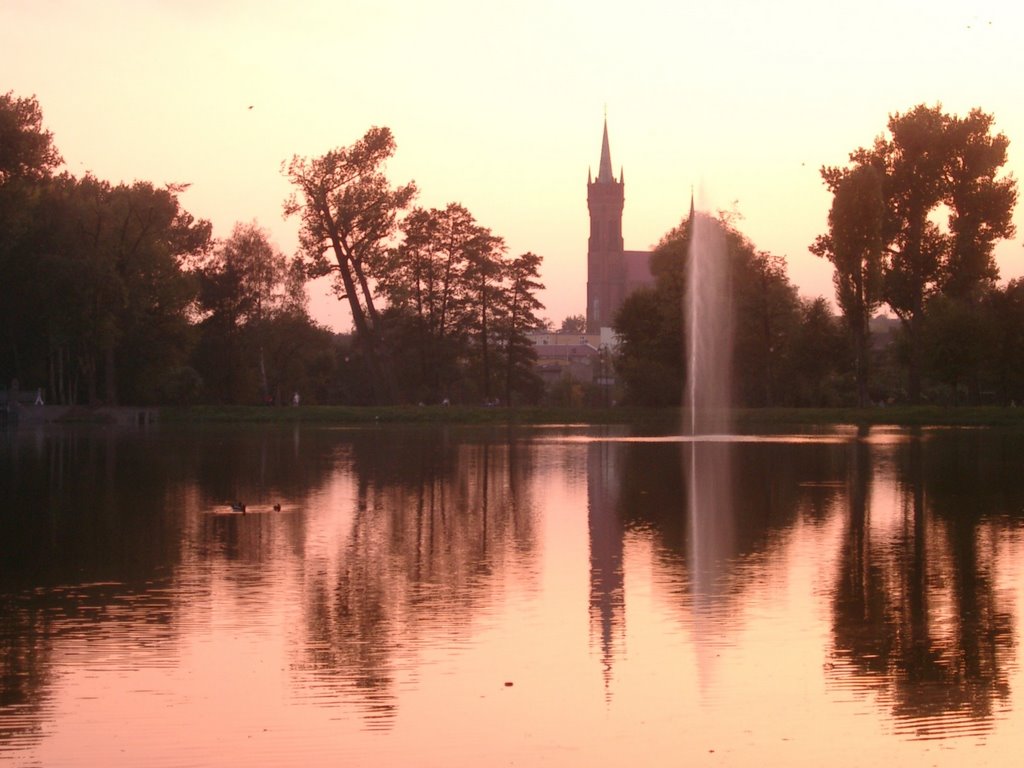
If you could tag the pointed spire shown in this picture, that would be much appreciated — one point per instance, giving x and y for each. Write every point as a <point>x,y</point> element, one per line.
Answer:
<point>604,171</point>
<point>691,203</point>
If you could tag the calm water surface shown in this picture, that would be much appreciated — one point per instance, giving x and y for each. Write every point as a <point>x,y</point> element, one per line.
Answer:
<point>530,597</point>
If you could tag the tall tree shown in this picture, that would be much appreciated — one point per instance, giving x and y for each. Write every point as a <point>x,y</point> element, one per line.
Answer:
<point>427,283</point>
<point>767,321</point>
<point>930,160</point>
<point>485,308</point>
<point>348,214</point>
<point>26,149</point>
<point>954,342</point>
<point>1005,358</point>
<point>854,246</point>
<point>244,284</point>
<point>915,159</point>
<point>818,355</point>
<point>522,279</point>
<point>980,205</point>
<point>105,269</point>
<point>28,158</point>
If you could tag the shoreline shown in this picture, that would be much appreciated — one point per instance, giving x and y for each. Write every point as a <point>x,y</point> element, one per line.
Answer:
<point>744,420</point>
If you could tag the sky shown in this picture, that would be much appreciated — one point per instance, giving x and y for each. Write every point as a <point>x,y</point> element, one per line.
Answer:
<point>499,106</point>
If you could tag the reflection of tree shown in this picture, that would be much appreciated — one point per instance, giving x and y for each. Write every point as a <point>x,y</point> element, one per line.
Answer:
<point>754,487</point>
<point>705,508</point>
<point>916,614</point>
<point>25,651</point>
<point>436,523</point>
<point>87,539</point>
<point>73,513</point>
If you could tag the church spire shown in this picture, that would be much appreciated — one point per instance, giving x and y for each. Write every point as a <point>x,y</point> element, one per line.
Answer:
<point>604,173</point>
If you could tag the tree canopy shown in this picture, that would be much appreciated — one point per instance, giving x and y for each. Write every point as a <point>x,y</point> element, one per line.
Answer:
<point>348,212</point>
<point>459,309</point>
<point>943,209</point>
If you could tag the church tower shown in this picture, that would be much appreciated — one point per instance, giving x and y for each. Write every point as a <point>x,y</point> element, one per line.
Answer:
<point>606,268</point>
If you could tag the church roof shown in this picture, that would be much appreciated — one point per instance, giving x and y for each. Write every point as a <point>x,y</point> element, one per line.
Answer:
<point>604,173</point>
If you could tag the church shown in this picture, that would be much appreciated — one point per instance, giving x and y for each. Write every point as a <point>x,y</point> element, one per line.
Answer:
<point>612,272</point>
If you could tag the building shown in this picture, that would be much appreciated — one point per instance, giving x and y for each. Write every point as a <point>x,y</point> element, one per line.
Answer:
<point>581,357</point>
<point>612,272</point>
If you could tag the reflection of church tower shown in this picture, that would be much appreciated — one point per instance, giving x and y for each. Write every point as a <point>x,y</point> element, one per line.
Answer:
<point>606,277</point>
<point>607,585</point>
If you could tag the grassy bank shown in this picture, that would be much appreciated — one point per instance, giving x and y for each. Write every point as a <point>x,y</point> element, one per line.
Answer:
<point>331,414</point>
<point>668,418</point>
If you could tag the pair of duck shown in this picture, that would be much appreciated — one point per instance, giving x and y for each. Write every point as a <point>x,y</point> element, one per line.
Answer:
<point>237,506</point>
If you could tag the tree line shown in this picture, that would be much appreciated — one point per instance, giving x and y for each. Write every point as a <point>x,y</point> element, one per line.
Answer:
<point>912,227</point>
<point>115,293</point>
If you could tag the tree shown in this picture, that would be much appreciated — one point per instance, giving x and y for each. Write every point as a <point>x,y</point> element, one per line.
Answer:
<point>854,246</point>
<point>520,317</point>
<point>931,160</point>
<point>915,160</point>
<point>102,268</point>
<point>650,355</point>
<point>818,355</point>
<point>426,283</point>
<point>348,210</point>
<point>954,342</point>
<point>980,205</point>
<point>485,306</point>
<point>28,158</point>
<point>767,321</point>
<point>459,308</point>
<point>576,324</point>
<point>244,284</point>
<point>1005,356</point>
<point>26,150</point>
<point>148,239</point>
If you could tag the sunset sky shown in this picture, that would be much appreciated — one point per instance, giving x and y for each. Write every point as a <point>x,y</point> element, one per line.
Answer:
<point>499,106</point>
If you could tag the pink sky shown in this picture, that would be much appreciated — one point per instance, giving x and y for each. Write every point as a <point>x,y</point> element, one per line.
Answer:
<point>499,106</point>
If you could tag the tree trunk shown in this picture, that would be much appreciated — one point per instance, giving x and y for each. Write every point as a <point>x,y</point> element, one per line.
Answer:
<point>264,391</point>
<point>862,344</point>
<point>385,388</point>
<point>110,387</point>
<point>484,352</point>
<point>914,359</point>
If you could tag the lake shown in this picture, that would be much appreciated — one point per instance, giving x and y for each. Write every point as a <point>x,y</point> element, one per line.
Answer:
<point>558,596</point>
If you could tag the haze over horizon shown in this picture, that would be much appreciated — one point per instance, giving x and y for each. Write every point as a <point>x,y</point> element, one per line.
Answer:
<point>500,108</point>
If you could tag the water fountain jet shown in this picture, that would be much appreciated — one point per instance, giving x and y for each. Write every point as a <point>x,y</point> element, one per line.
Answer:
<point>709,329</point>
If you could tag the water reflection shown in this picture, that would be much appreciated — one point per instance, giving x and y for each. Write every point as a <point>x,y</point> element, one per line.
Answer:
<point>605,490</point>
<point>919,618</point>
<point>407,565</point>
<point>434,528</point>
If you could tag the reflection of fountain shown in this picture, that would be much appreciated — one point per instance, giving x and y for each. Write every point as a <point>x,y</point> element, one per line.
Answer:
<point>708,457</point>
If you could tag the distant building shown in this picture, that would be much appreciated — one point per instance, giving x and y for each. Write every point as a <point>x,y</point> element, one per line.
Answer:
<point>566,354</point>
<point>612,272</point>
